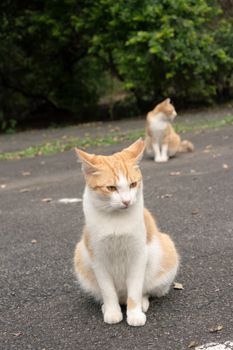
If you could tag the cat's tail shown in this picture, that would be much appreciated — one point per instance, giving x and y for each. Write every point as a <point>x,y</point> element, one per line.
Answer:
<point>186,146</point>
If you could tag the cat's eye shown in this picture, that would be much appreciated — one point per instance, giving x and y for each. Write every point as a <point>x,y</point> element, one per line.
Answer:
<point>133,184</point>
<point>112,188</point>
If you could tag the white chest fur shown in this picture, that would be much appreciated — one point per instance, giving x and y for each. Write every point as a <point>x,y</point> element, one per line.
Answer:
<point>158,126</point>
<point>117,238</point>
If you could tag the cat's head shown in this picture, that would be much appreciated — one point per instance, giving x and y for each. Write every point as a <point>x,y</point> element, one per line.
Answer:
<point>167,109</point>
<point>115,181</point>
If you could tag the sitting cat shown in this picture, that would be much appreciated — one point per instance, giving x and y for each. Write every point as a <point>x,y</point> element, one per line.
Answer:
<point>122,258</point>
<point>161,138</point>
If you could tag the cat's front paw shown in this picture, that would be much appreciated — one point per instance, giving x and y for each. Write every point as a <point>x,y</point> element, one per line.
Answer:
<point>136,318</point>
<point>161,159</point>
<point>157,159</point>
<point>112,316</point>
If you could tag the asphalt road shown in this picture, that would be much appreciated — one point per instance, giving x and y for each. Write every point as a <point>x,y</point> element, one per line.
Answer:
<point>42,307</point>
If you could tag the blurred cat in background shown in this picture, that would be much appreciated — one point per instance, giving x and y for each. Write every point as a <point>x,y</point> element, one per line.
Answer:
<point>161,139</point>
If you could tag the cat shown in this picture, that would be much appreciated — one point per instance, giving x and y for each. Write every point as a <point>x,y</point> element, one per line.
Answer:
<point>122,258</point>
<point>161,139</point>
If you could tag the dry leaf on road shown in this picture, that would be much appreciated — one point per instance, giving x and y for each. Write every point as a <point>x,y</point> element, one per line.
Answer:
<point>166,195</point>
<point>17,334</point>
<point>175,173</point>
<point>33,241</point>
<point>177,285</point>
<point>195,211</point>
<point>26,173</point>
<point>46,200</point>
<point>115,129</point>
<point>225,166</point>
<point>192,344</point>
<point>3,186</point>
<point>24,190</point>
<point>215,329</point>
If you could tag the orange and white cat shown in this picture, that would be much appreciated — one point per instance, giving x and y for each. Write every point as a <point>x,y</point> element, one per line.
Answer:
<point>122,258</point>
<point>161,138</point>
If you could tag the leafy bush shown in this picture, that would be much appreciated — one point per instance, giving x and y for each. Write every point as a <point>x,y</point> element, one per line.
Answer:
<point>164,47</point>
<point>44,61</point>
<point>54,55</point>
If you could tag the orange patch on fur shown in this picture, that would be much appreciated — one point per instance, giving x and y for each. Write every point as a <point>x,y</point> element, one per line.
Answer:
<point>170,257</point>
<point>151,228</point>
<point>86,272</point>
<point>131,304</point>
<point>172,139</point>
<point>86,240</point>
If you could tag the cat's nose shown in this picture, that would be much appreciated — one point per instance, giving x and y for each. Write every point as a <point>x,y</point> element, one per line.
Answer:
<point>126,202</point>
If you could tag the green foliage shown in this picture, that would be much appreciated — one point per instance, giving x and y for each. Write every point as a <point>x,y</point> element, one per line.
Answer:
<point>54,55</point>
<point>160,48</point>
<point>44,61</point>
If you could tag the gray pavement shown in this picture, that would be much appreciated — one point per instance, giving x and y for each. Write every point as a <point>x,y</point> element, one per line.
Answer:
<point>10,143</point>
<point>42,306</point>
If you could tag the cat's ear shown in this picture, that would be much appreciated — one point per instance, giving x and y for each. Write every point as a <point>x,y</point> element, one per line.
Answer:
<point>88,166</point>
<point>135,151</point>
<point>167,101</point>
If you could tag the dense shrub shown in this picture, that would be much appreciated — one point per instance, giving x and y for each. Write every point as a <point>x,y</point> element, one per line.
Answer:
<point>165,47</point>
<point>44,61</point>
<point>54,55</point>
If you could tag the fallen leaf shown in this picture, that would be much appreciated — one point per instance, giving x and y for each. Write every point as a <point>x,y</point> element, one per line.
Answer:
<point>26,173</point>
<point>3,186</point>
<point>215,329</point>
<point>209,146</point>
<point>206,151</point>
<point>17,334</point>
<point>177,285</point>
<point>47,200</point>
<point>24,190</point>
<point>192,344</point>
<point>115,129</point>
<point>195,211</point>
<point>33,241</point>
<point>167,195</point>
<point>175,173</point>
<point>225,166</point>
